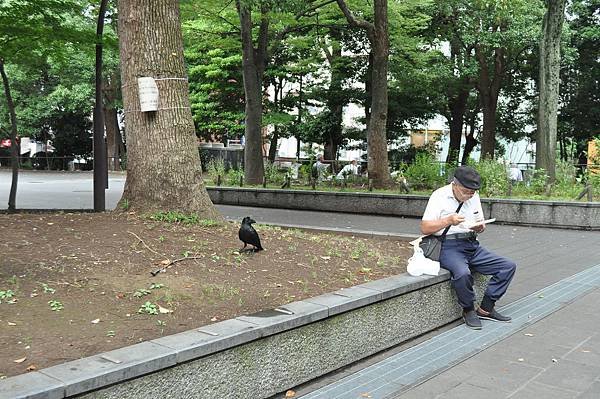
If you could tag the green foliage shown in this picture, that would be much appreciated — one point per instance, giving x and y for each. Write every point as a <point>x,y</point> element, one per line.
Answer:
<point>48,49</point>
<point>233,177</point>
<point>141,292</point>
<point>215,168</point>
<point>179,217</point>
<point>538,181</point>
<point>273,174</point>
<point>148,308</point>
<point>494,179</point>
<point>47,289</point>
<point>424,172</point>
<point>175,217</point>
<point>6,294</point>
<point>55,305</point>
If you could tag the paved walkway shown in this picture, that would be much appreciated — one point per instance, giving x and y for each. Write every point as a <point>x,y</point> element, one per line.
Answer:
<point>558,356</point>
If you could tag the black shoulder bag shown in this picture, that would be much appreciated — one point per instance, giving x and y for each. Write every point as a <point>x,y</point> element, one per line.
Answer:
<point>432,244</point>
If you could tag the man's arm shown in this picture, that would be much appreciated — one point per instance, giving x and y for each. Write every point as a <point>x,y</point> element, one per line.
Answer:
<point>431,226</point>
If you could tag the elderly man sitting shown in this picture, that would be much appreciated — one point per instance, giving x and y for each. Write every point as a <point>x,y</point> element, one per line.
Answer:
<point>349,169</point>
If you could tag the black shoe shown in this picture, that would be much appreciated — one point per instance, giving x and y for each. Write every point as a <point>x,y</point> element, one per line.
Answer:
<point>471,319</point>
<point>493,316</point>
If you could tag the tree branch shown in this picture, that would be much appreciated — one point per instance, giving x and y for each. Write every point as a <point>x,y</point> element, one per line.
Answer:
<point>359,23</point>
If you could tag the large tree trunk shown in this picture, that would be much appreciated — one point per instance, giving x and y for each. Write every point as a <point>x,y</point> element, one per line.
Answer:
<point>163,165</point>
<point>489,89</point>
<point>377,32</point>
<point>253,66</point>
<point>549,83</point>
<point>377,138</point>
<point>14,146</point>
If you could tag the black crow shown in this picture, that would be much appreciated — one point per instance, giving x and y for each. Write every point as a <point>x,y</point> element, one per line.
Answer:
<point>248,235</point>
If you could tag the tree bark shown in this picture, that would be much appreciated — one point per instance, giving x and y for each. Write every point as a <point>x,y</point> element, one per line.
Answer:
<point>549,83</point>
<point>335,102</point>
<point>253,67</point>
<point>489,89</point>
<point>100,164</point>
<point>163,165</point>
<point>470,140</point>
<point>458,106</point>
<point>111,123</point>
<point>14,146</point>
<point>278,94</point>
<point>377,32</point>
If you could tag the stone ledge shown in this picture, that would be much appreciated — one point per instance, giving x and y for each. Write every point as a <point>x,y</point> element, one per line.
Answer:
<point>267,352</point>
<point>561,214</point>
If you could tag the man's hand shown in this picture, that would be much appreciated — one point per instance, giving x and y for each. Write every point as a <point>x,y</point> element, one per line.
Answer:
<point>479,228</point>
<point>454,219</point>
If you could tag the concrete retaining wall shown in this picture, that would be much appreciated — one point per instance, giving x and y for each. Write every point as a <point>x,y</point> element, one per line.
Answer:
<point>259,355</point>
<point>573,215</point>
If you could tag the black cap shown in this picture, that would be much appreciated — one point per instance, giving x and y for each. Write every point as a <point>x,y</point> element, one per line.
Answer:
<point>468,177</point>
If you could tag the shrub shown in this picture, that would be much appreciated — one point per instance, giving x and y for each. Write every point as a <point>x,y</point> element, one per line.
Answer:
<point>494,180</point>
<point>216,167</point>
<point>566,184</point>
<point>537,184</point>
<point>273,174</point>
<point>233,177</point>
<point>424,172</point>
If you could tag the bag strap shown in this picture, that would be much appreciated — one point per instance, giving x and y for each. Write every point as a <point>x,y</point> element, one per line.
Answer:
<point>443,236</point>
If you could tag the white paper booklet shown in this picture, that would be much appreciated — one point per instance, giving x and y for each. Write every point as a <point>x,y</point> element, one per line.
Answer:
<point>470,225</point>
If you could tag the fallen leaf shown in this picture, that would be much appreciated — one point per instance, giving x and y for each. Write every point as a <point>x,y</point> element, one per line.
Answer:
<point>165,262</point>
<point>290,394</point>
<point>95,321</point>
<point>21,360</point>
<point>164,310</point>
<point>31,367</point>
<point>11,323</point>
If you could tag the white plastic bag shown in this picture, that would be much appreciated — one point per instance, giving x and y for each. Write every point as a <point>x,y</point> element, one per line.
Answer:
<point>418,264</point>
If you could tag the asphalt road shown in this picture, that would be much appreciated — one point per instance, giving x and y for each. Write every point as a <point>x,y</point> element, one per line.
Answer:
<point>58,190</point>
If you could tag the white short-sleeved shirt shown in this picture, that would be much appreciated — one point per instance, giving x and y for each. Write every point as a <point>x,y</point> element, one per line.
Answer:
<point>442,203</point>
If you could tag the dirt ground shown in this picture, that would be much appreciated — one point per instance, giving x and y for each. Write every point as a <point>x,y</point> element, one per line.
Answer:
<point>76,284</point>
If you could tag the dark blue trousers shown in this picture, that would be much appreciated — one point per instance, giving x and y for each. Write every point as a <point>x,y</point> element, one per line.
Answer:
<point>459,257</point>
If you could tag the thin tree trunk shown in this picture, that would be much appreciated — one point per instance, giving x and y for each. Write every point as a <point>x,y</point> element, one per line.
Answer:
<point>458,107</point>
<point>549,83</point>
<point>14,146</point>
<point>368,89</point>
<point>489,89</point>
<point>100,164</point>
<point>253,64</point>
<point>335,102</point>
<point>277,105</point>
<point>470,140</point>
<point>111,123</point>
<point>163,168</point>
